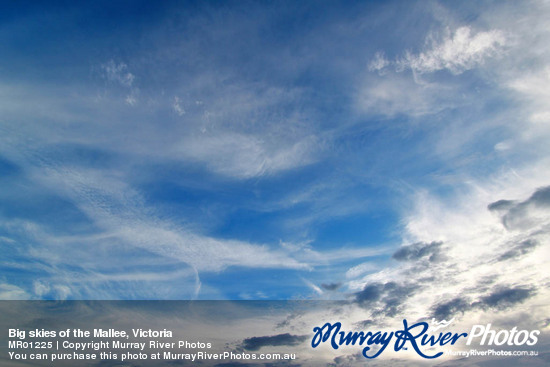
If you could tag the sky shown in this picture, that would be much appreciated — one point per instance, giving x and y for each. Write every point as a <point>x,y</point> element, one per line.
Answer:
<point>391,154</point>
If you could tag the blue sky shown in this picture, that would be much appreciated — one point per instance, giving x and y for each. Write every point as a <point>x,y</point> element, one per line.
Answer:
<point>286,150</point>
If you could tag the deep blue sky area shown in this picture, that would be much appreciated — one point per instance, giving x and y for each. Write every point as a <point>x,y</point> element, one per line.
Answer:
<point>256,150</point>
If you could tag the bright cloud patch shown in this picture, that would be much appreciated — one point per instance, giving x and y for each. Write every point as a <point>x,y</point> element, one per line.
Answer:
<point>245,156</point>
<point>456,52</point>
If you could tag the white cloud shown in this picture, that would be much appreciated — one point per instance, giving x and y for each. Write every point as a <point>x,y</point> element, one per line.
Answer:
<point>245,156</point>
<point>118,72</point>
<point>474,240</point>
<point>504,145</point>
<point>394,94</point>
<point>533,91</point>
<point>177,107</point>
<point>533,84</point>
<point>120,212</point>
<point>40,288</point>
<point>123,224</point>
<point>6,239</point>
<point>131,100</point>
<point>361,269</point>
<point>379,63</point>
<point>315,288</point>
<point>305,252</point>
<point>12,292</point>
<point>62,291</point>
<point>456,52</point>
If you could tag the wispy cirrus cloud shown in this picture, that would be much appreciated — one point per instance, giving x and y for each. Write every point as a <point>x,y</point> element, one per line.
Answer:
<point>118,73</point>
<point>11,292</point>
<point>245,156</point>
<point>121,212</point>
<point>393,92</point>
<point>457,51</point>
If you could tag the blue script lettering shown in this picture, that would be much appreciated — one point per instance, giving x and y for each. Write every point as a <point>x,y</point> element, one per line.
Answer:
<point>377,338</point>
<point>405,334</point>
<point>332,331</point>
<point>409,333</point>
<point>323,338</point>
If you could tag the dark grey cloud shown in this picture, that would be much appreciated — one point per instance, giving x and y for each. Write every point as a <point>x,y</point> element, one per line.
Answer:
<point>289,319</point>
<point>516,215</point>
<point>348,360</point>
<point>419,250</point>
<point>446,310</point>
<point>364,324</point>
<point>386,297</point>
<point>501,205</point>
<point>500,298</point>
<point>541,197</point>
<point>484,285</point>
<point>395,296</point>
<point>371,293</point>
<point>331,286</point>
<point>519,250</point>
<point>505,297</point>
<point>257,342</point>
